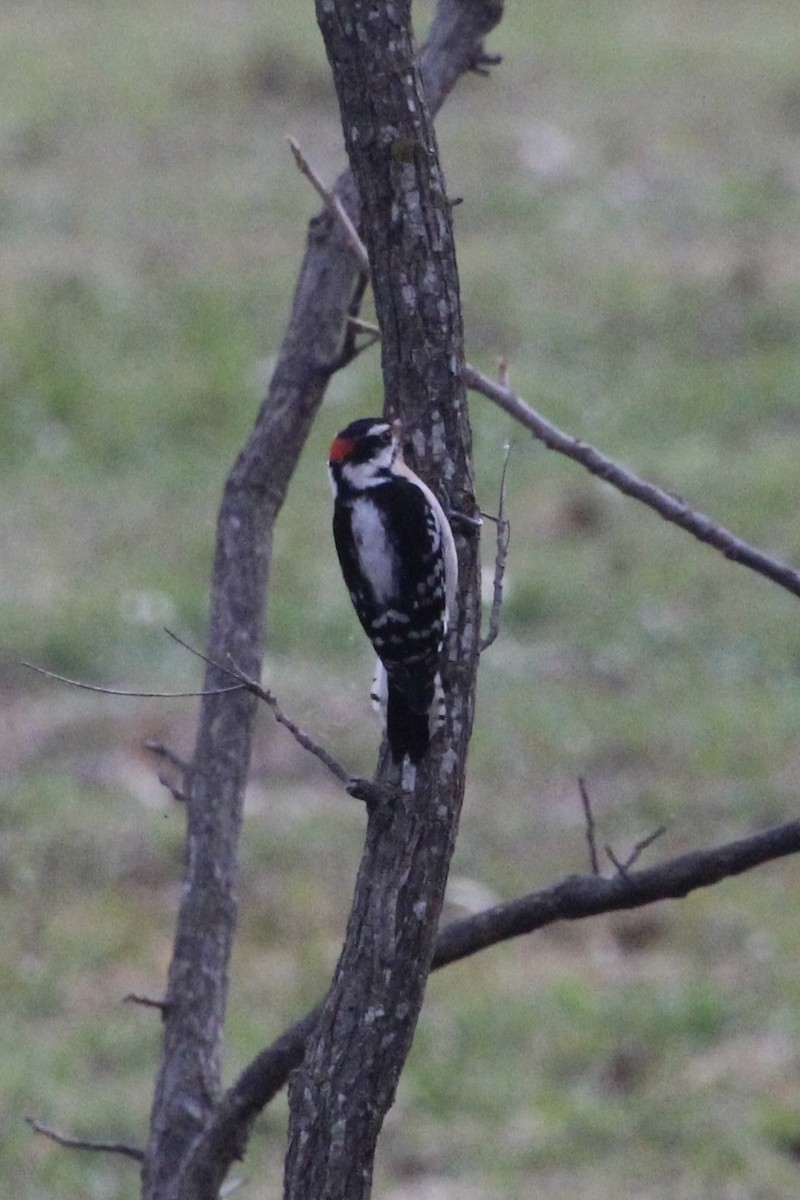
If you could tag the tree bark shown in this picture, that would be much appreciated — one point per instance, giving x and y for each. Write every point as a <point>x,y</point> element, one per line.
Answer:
<point>354,1056</point>
<point>316,344</point>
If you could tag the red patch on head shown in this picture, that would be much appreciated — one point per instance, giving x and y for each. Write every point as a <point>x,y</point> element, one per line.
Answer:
<point>341,448</point>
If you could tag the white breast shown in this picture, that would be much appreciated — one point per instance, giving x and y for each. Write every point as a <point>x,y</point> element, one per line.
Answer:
<point>375,554</point>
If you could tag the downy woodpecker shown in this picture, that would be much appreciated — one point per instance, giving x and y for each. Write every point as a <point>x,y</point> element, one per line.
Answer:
<point>398,559</point>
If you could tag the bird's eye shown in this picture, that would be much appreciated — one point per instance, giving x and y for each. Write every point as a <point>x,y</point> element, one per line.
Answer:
<point>385,437</point>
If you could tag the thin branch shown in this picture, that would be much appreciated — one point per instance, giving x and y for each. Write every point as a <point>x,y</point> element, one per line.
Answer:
<point>503,527</point>
<point>580,896</point>
<point>371,793</point>
<point>156,747</point>
<point>166,752</point>
<point>211,662</point>
<point>670,507</point>
<point>144,1001</point>
<point>362,326</point>
<point>571,899</point>
<point>73,1143</point>
<point>360,789</point>
<point>333,203</point>
<point>106,691</point>
<point>624,867</point>
<point>176,792</point>
<point>355,326</point>
<point>483,62</point>
<point>300,736</point>
<point>618,866</point>
<point>590,829</point>
<point>233,1186</point>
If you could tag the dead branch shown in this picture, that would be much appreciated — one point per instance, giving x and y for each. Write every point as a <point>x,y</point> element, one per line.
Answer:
<point>670,507</point>
<point>176,792</point>
<point>107,691</point>
<point>367,327</point>
<point>590,827</point>
<point>503,537</point>
<point>581,896</point>
<point>360,789</point>
<point>74,1143</point>
<point>167,753</point>
<point>623,866</point>
<point>332,202</point>
<point>571,899</point>
<point>144,1001</point>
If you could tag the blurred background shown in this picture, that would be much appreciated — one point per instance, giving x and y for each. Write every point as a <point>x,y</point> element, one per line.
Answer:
<point>630,240</point>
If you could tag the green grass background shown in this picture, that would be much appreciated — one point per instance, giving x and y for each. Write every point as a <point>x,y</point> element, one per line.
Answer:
<point>630,241</point>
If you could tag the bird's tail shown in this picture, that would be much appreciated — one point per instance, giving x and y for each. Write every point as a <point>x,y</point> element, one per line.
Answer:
<point>413,703</point>
<point>408,730</point>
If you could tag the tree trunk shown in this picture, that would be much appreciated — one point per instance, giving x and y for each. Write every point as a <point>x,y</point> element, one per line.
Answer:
<point>346,1084</point>
<point>184,1157</point>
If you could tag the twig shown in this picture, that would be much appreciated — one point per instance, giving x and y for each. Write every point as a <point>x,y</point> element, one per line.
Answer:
<point>231,1186</point>
<point>334,204</point>
<point>211,662</point>
<point>73,1143</point>
<point>179,763</point>
<point>176,792</point>
<point>503,527</point>
<point>355,326</point>
<point>106,691</point>
<point>483,61</point>
<point>671,508</point>
<point>164,751</point>
<point>620,867</point>
<point>502,372</point>
<point>643,845</point>
<point>361,789</point>
<point>624,867</point>
<point>145,1001</point>
<point>590,830</point>
<point>300,736</point>
<point>362,326</point>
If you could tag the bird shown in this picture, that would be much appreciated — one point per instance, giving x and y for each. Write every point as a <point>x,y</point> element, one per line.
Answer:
<point>398,559</point>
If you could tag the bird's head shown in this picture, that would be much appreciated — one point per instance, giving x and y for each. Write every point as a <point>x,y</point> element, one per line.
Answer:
<point>363,454</point>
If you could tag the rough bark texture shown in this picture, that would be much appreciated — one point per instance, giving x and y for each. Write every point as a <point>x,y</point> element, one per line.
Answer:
<point>180,1160</point>
<point>354,1056</point>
